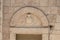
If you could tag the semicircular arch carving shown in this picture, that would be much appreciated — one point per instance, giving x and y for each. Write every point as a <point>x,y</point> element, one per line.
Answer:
<point>29,17</point>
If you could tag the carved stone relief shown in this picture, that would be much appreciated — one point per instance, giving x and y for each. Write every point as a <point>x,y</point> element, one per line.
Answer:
<point>29,17</point>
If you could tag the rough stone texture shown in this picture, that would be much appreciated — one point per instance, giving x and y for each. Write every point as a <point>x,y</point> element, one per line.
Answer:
<point>55,37</point>
<point>58,3</point>
<point>58,18</point>
<point>52,3</point>
<point>0,22</point>
<point>50,8</point>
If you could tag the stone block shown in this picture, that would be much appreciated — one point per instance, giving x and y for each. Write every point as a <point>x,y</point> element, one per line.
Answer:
<point>25,3</point>
<point>53,10</point>
<point>52,3</point>
<point>58,3</point>
<point>29,30</point>
<point>58,10</point>
<point>45,37</point>
<point>58,19</point>
<point>57,26</point>
<point>0,36</point>
<point>44,3</point>
<point>51,18</point>
<point>55,32</point>
<point>49,10</point>
<point>7,2</point>
<point>45,10</point>
<point>54,37</point>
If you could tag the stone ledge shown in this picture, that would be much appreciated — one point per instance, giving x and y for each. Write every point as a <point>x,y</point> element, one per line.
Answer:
<point>55,32</point>
<point>29,30</point>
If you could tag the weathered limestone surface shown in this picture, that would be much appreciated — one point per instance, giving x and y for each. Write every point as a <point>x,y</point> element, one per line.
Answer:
<point>58,3</point>
<point>0,22</point>
<point>55,37</point>
<point>50,8</point>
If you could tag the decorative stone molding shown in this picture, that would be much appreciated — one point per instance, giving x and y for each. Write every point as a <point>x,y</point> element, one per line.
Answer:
<point>42,31</point>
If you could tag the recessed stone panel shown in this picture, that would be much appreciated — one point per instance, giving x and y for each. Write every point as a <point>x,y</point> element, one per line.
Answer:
<point>28,37</point>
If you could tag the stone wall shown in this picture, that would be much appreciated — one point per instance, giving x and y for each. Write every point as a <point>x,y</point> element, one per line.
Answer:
<point>51,8</point>
<point>0,22</point>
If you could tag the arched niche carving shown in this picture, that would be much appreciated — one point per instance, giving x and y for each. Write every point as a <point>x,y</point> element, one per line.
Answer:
<point>29,17</point>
